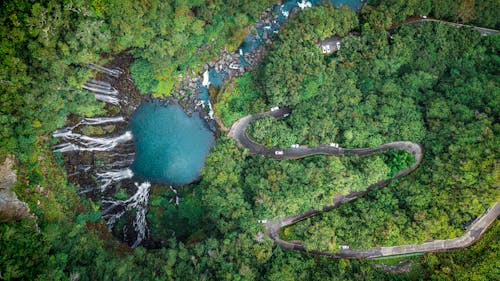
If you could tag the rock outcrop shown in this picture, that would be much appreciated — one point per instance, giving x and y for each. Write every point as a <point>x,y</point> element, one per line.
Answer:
<point>11,208</point>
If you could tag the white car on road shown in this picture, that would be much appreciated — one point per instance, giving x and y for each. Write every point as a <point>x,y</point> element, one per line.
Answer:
<point>295,145</point>
<point>274,108</point>
<point>278,152</point>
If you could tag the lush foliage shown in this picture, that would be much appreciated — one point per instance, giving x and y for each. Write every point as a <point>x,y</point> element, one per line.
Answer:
<point>432,84</point>
<point>429,83</point>
<point>383,14</point>
<point>238,99</point>
<point>284,80</point>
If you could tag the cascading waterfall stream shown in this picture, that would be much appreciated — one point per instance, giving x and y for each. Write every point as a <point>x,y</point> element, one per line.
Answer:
<point>113,72</point>
<point>176,197</point>
<point>102,90</point>
<point>99,86</point>
<point>113,176</point>
<point>78,142</point>
<point>119,169</point>
<point>121,163</point>
<point>206,83</point>
<point>304,4</point>
<point>116,209</point>
<point>88,121</point>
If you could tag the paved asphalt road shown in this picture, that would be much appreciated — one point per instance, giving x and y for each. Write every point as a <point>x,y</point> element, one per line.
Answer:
<point>238,132</point>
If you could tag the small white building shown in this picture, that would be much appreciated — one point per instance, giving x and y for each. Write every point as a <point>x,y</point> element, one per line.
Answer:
<point>330,45</point>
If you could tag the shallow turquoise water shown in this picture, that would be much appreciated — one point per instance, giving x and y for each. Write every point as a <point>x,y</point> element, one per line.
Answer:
<point>170,146</point>
<point>252,40</point>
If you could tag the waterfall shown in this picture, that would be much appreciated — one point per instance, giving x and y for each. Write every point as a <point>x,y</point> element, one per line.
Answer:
<point>108,99</point>
<point>211,112</point>
<point>284,12</point>
<point>112,176</point>
<point>131,154</point>
<point>86,143</point>
<point>113,72</point>
<point>304,4</point>
<point>100,89</point>
<point>101,120</point>
<point>117,208</point>
<point>103,91</point>
<point>88,121</point>
<point>121,163</point>
<point>206,79</point>
<point>176,196</point>
<point>100,83</point>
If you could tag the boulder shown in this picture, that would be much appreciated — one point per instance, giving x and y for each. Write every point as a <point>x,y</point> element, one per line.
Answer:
<point>11,208</point>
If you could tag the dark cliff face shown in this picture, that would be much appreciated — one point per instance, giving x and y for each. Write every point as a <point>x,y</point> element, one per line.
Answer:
<point>11,208</point>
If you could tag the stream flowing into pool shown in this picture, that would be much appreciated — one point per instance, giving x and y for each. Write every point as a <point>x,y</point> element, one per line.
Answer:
<point>258,37</point>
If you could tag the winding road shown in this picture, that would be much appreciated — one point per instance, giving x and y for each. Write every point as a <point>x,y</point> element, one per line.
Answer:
<point>238,132</point>
<point>484,31</point>
<point>473,233</point>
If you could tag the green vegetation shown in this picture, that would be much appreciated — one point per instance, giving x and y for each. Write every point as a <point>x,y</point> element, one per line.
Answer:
<point>479,262</point>
<point>382,14</point>
<point>284,80</point>
<point>238,99</point>
<point>431,83</point>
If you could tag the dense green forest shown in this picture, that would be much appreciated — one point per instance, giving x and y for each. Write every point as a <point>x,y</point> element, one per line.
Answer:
<point>427,83</point>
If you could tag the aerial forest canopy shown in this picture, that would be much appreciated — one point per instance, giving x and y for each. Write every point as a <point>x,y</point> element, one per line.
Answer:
<point>429,83</point>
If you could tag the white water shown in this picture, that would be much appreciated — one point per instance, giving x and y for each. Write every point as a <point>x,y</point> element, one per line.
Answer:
<point>177,197</point>
<point>131,154</point>
<point>285,13</point>
<point>206,79</point>
<point>100,83</point>
<point>112,176</point>
<point>121,163</point>
<point>113,72</point>
<point>234,66</point>
<point>304,4</point>
<point>88,121</point>
<point>100,90</point>
<point>107,99</point>
<point>139,201</point>
<point>78,142</point>
<point>103,91</point>
<point>211,112</point>
<point>101,120</point>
